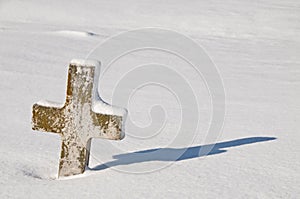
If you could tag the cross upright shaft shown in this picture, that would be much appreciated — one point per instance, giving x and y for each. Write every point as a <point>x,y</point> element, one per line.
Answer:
<point>76,122</point>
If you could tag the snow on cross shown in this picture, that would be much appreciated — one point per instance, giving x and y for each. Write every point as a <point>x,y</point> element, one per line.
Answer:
<point>77,121</point>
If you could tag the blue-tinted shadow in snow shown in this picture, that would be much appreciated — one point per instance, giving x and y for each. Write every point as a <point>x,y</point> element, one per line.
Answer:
<point>178,154</point>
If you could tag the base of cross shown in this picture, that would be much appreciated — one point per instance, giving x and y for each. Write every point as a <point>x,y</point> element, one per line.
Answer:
<point>76,120</point>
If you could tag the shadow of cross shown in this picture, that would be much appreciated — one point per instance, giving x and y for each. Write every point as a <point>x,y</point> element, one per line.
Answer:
<point>76,121</point>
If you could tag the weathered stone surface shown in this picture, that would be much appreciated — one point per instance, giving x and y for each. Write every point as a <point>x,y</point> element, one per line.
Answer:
<point>76,122</point>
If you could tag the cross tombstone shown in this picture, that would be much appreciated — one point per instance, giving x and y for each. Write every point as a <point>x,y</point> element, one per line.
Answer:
<point>76,121</point>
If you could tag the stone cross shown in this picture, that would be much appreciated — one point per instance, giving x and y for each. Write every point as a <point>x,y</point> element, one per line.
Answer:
<point>76,121</point>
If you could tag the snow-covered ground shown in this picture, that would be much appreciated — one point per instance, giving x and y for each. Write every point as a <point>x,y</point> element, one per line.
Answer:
<point>256,46</point>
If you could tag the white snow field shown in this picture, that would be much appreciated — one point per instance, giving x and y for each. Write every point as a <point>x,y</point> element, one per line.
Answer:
<point>256,47</point>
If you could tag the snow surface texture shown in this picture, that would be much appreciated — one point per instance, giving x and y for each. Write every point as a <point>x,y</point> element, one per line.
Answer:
<point>256,47</point>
